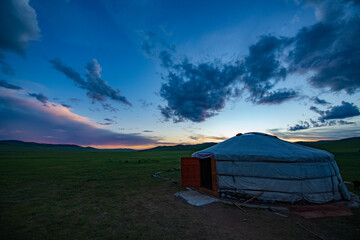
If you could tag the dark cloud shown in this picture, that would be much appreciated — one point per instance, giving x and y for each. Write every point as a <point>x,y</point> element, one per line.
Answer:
<point>330,117</point>
<point>300,126</point>
<point>108,122</point>
<point>317,110</point>
<point>330,47</point>
<point>69,72</point>
<point>343,122</point>
<point>5,84</point>
<point>197,91</point>
<point>345,110</point>
<point>42,122</point>
<point>277,97</point>
<point>40,97</point>
<point>147,131</point>
<point>263,69</point>
<point>98,89</point>
<point>18,26</point>
<point>66,105</point>
<point>320,101</point>
<point>109,107</point>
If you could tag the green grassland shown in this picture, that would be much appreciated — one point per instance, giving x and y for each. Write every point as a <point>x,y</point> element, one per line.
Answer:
<point>76,193</point>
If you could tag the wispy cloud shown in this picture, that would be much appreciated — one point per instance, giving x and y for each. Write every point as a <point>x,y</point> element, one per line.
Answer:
<point>40,97</point>
<point>199,137</point>
<point>98,90</point>
<point>108,122</point>
<point>333,132</point>
<point>319,101</point>
<point>35,121</point>
<point>8,85</point>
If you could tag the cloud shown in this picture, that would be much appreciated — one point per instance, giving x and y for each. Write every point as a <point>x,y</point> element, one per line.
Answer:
<point>277,97</point>
<point>197,91</point>
<point>320,101</point>
<point>18,26</point>
<point>203,137</point>
<point>98,89</point>
<point>328,51</point>
<point>345,110</point>
<point>263,69</point>
<point>148,131</point>
<point>109,107</point>
<point>66,105</point>
<point>334,132</point>
<point>343,122</point>
<point>69,72</point>
<point>5,84</point>
<point>330,47</point>
<point>108,122</point>
<point>301,126</point>
<point>329,117</point>
<point>36,121</point>
<point>40,97</point>
<point>206,86</point>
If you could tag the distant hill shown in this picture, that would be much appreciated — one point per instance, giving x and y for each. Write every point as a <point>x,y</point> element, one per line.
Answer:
<point>343,145</point>
<point>9,145</point>
<point>182,147</point>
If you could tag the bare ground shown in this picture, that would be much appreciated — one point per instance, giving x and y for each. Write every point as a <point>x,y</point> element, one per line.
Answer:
<point>171,218</point>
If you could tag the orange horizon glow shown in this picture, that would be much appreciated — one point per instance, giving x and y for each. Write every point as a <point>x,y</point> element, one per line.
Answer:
<point>142,147</point>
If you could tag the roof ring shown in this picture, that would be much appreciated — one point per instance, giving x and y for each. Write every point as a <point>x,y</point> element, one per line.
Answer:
<point>239,134</point>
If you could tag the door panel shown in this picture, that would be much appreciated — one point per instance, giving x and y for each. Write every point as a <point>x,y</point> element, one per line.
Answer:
<point>190,172</point>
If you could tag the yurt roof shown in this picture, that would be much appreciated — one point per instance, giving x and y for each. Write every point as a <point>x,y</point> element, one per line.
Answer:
<point>263,148</point>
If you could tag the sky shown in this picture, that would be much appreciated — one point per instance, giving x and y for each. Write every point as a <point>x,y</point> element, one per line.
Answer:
<point>144,73</point>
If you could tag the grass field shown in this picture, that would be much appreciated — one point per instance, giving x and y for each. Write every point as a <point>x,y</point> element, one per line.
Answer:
<point>86,194</point>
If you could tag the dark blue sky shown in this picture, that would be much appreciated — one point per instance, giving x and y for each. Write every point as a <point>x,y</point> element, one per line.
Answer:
<point>145,73</point>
